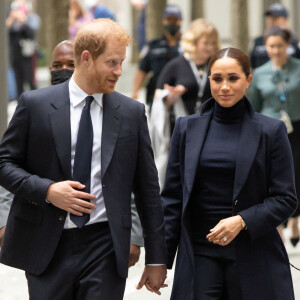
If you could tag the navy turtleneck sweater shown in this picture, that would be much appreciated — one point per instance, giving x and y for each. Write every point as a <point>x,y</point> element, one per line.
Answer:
<point>213,187</point>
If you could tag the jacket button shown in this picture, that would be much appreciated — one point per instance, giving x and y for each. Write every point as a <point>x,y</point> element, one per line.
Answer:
<point>236,202</point>
<point>103,185</point>
<point>61,218</point>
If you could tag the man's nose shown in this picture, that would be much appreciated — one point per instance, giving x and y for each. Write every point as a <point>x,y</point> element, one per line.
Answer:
<point>118,70</point>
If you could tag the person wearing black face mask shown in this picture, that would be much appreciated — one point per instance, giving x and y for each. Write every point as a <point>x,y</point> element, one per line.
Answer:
<point>172,29</point>
<point>156,54</point>
<point>62,66</point>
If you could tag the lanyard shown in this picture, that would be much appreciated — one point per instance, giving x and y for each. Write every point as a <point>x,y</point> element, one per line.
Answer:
<point>280,84</point>
<point>201,80</point>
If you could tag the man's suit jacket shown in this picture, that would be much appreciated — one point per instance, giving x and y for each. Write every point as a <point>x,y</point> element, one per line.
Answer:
<point>263,194</point>
<point>36,151</point>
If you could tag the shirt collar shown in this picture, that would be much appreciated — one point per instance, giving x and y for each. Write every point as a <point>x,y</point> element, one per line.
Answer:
<point>77,95</point>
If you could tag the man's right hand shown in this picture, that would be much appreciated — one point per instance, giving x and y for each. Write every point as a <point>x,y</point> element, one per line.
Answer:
<point>65,195</point>
<point>153,278</point>
<point>2,231</point>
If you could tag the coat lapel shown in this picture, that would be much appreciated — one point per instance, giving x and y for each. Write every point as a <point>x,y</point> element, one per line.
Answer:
<point>61,129</point>
<point>110,129</point>
<point>196,133</point>
<point>247,148</point>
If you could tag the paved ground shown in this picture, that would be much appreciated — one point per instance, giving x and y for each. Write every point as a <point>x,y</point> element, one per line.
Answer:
<point>13,282</point>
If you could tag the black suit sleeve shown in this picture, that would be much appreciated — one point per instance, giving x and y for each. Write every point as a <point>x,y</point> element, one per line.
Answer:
<point>13,152</point>
<point>146,190</point>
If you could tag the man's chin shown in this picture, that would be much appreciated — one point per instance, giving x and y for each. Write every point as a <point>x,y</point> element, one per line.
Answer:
<point>106,90</point>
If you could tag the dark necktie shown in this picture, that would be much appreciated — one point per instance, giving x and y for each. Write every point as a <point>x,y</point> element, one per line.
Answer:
<point>83,157</point>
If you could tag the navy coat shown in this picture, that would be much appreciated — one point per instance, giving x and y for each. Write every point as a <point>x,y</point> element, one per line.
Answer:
<point>264,195</point>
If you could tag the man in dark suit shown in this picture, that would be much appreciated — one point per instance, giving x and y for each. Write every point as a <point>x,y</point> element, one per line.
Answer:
<point>72,154</point>
<point>61,69</point>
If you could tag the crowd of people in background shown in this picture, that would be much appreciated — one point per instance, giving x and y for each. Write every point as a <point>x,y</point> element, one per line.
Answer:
<point>23,24</point>
<point>188,80</point>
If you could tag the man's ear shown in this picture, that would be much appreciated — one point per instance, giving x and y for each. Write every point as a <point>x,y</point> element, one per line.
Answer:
<point>85,57</point>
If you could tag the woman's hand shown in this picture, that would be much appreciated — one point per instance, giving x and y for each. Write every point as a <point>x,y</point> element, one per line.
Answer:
<point>225,231</point>
<point>174,93</point>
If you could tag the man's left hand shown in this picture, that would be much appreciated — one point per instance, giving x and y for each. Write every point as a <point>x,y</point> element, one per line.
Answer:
<point>134,254</point>
<point>153,278</point>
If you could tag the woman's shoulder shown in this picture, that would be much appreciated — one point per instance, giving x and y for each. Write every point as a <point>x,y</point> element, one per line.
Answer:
<point>182,122</point>
<point>294,60</point>
<point>293,64</point>
<point>177,61</point>
<point>174,67</point>
<point>266,67</point>
<point>269,125</point>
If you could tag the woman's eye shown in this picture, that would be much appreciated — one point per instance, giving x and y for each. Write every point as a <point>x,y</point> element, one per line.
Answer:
<point>217,79</point>
<point>233,78</point>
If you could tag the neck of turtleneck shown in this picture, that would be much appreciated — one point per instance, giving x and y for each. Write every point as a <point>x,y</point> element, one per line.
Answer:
<point>231,114</point>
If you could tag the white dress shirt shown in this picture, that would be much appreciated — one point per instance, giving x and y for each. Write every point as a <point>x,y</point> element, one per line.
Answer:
<point>77,102</point>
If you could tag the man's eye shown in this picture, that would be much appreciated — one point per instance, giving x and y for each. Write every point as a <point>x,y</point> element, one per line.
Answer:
<point>56,66</point>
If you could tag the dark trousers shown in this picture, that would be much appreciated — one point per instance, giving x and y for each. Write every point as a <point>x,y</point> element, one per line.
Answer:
<point>216,271</point>
<point>24,73</point>
<point>216,279</point>
<point>83,268</point>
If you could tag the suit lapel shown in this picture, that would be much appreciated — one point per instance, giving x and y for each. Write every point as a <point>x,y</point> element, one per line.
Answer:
<point>195,136</point>
<point>61,128</point>
<point>247,148</point>
<point>110,129</point>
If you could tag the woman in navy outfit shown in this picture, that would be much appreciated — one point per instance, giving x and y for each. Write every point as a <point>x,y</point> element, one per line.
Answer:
<point>229,184</point>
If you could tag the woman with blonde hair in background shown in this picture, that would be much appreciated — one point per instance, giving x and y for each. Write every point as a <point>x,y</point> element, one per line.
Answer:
<point>182,86</point>
<point>187,76</point>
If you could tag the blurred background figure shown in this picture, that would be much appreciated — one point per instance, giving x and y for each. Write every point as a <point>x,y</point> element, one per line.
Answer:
<point>158,52</point>
<point>275,91</point>
<point>78,16</point>
<point>275,16</point>
<point>182,87</point>
<point>22,26</point>
<point>140,5</point>
<point>99,10</point>
<point>187,76</point>
<point>62,65</point>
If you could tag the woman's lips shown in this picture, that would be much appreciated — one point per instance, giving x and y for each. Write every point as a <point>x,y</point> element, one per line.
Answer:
<point>226,96</point>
